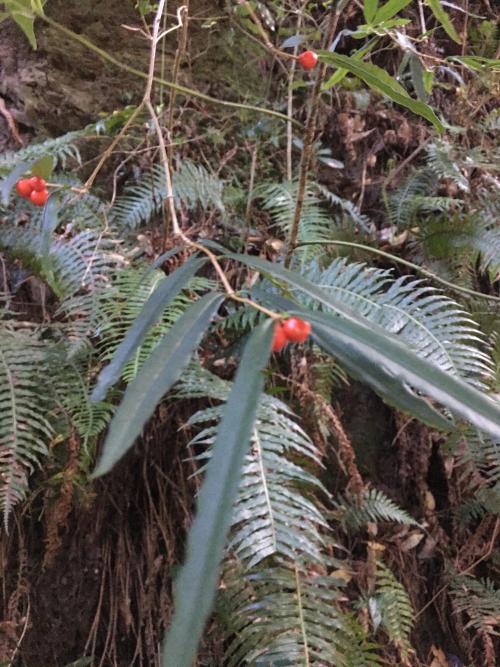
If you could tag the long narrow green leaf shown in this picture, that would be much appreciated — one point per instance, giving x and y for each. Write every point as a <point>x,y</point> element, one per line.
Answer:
<point>50,221</point>
<point>444,19</point>
<point>370,9</point>
<point>363,341</point>
<point>389,10</point>
<point>368,346</point>
<point>197,581</point>
<point>162,368</point>
<point>150,313</point>
<point>378,79</point>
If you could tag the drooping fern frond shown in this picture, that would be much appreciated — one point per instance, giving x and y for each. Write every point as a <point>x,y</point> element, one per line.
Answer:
<point>347,207</point>
<point>416,195</point>
<point>62,149</point>
<point>374,506</point>
<point>479,600</point>
<point>193,186</point>
<point>445,161</point>
<point>24,427</point>
<point>391,608</point>
<point>288,616</point>
<point>328,375</point>
<point>277,513</point>
<point>433,325</point>
<point>279,199</point>
<point>71,388</point>
<point>479,457</point>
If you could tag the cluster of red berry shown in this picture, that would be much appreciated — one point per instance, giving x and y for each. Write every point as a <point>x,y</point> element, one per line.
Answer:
<point>308,59</point>
<point>34,189</point>
<point>293,330</point>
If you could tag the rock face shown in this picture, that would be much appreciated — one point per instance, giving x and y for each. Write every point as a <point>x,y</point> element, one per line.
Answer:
<point>62,85</point>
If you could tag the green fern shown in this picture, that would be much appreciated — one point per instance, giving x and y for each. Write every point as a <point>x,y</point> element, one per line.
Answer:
<point>288,616</point>
<point>479,600</point>
<point>433,325</point>
<point>62,149</point>
<point>374,506</point>
<point>445,161</point>
<point>24,427</point>
<point>193,186</point>
<point>276,512</point>
<point>391,608</point>
<point>416,196</point>
<point>279,200</point>
<point>120,304</point>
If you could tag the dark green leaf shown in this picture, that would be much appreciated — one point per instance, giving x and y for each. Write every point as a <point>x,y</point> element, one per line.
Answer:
<point>390,9</point>
<point>50,221</point>
<point>160,371</point>
<point>443,19</point>
<point>151,312</point>
<point>403,372</point>
<point>379,80</point>
<point>197,581</point>
<point>417,77</point>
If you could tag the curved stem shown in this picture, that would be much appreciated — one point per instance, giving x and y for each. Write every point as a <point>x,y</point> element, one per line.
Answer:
<point>167,84</point>
<point>405,262</point>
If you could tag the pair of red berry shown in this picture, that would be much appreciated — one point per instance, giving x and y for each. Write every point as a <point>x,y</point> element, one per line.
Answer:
<point>308,59</point>
<point>293,330</point>
<point>34,189</point>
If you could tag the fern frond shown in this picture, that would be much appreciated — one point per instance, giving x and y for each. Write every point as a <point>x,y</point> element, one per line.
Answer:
<point>480,458</point>
<point>279,199</point>
<point>347,207</point>
<point>433,325</point>
<point>281,616</point>
<point>120,304</point>
<point>276,512</point>
<point>24,428</point>
<point>392,606</point>
<point>479,599</point>
<point>193,186</point>
<point>374,506</point>
<point>62,149</point>
<point>327,376</point>
<point>443,161</point>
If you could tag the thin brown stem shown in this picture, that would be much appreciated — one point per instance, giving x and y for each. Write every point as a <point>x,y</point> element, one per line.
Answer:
<point>179,55</point>
<point>139,73</point>
<point>307,150</point>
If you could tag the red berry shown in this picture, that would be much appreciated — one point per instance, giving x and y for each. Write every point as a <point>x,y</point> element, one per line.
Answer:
<point>39,197</point>
<point>279,340</point>
<point>37,183</point>
<point>308,59</point>
<point>23,187</point>
<point>296,330</point>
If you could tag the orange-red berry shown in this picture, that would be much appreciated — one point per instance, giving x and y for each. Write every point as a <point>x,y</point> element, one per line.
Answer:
<point>37,183</point>
<point>280,339</point>
<point>39,197</point>
<point>24,188</point>
<point>308,59</point>
<point>296,330</point>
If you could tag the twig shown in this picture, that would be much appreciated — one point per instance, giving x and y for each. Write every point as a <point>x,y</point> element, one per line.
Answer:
<point>139,73</point>
<point>289,104</point>
<point>308,144</point>
<point>404,262</point>
<point>10,122</point>
<point>182,15</point>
